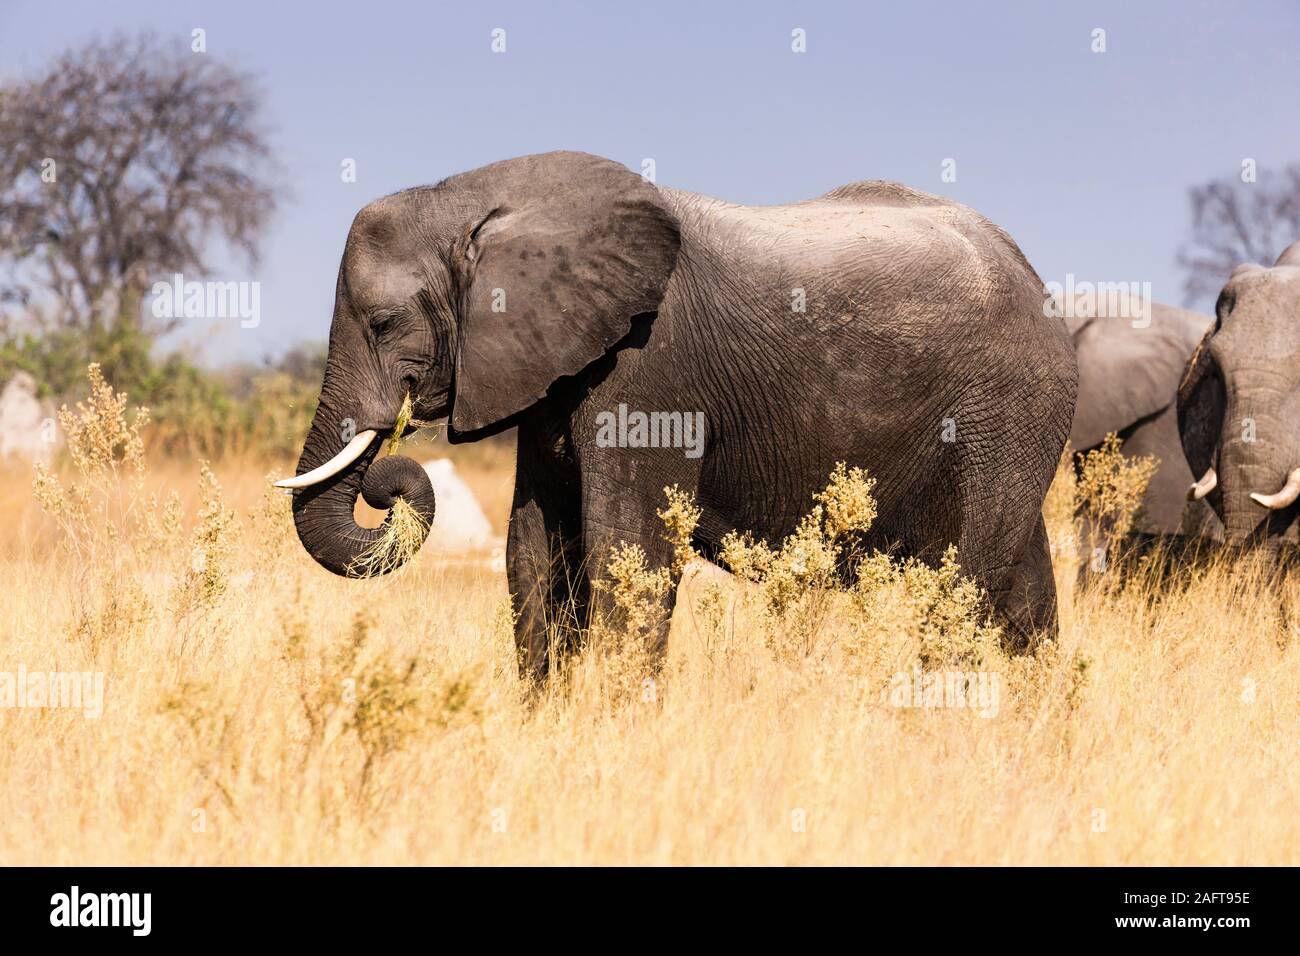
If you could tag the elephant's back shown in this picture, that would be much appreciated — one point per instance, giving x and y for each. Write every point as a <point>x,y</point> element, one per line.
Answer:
<point>875,233</point>
<point>879,282</point>
<point>844,218</point>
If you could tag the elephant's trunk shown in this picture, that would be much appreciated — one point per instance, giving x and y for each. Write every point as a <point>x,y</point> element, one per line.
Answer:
<point>1259,480</point>
<point>323,513</point>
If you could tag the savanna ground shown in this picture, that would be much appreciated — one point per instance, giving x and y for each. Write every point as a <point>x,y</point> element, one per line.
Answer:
<point>259,710</point>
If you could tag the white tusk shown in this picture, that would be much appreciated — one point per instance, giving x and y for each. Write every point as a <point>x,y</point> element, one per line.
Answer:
<point>336,464</point>
<point>1290,491</point>
<point>1203,487</point>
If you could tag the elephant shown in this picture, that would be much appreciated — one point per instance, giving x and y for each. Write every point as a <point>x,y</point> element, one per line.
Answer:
<point>1130,365</point>
<point>561,293</point>
<point>1239,406</point>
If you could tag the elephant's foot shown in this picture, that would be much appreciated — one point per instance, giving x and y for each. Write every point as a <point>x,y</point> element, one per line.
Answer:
<point>1027,606</point>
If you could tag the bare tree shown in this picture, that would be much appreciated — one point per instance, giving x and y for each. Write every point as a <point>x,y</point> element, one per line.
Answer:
<point>1235,221</point>
<point>117,167</point>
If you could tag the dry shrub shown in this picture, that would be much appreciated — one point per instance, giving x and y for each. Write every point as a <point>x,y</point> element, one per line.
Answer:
<point>621,642</point>
<point>943,615</point>
<point>1111,485</point>
<point>680,518</point>
<point>113,530</point>
<point>880,608</point>
<point>621,655</point>
<point>888,616</point>
<point>98,509</point>
<point>208,727</point>
<point>270,523</point>
<point>796,578</point>
<point>212,547</point>
<point>359,704</point>
<point>1090,510</point>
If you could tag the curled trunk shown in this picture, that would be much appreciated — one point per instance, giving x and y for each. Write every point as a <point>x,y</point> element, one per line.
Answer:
<point>323,513</point>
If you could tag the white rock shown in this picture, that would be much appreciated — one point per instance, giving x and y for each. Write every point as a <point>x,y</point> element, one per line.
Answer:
<point>459,523</point>
<point>26,423</point>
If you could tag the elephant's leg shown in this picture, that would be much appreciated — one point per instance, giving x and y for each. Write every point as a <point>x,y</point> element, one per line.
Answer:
<point>1003,542</point>
<point>1028,604</point>
<point>544,570</point>
<point>608,526</point>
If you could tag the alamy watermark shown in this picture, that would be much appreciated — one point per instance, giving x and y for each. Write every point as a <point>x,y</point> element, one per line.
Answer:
<point>625,429</point>
<point>1085,300</point>
<point>179,299</point>
<point>980,691</point>
<point>36,690</point>
<point>130,910</point>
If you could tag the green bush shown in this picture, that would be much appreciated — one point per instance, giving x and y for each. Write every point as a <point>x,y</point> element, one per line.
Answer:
<point>246,410</point>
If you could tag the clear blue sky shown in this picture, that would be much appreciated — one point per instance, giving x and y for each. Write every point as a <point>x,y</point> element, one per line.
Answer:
<point>1085,158</point>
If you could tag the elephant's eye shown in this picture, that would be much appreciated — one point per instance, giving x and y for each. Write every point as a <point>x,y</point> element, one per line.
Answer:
<point>383,320</point>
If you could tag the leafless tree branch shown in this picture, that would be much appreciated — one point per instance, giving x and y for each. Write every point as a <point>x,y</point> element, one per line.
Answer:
<point>156,152</point>
<point>1235,222</point>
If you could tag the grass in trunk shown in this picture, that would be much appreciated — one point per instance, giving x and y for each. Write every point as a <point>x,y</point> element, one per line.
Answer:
<point>402,534</point>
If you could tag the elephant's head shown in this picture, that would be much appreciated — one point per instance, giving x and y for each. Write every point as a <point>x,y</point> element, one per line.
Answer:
<point>1239,405</point>
<point>473,296</point>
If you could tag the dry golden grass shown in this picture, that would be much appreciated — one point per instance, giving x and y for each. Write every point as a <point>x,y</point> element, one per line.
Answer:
<point>259,710</point>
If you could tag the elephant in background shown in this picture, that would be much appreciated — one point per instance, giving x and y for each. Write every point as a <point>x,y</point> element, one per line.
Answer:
<point>1239,405</point>
<point>1130,366</point>
<point>875,325</point>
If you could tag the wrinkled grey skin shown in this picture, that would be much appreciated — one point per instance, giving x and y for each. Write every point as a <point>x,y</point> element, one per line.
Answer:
<point>615,291</point>
<point>1248,367</point>
<point>1128,384</point>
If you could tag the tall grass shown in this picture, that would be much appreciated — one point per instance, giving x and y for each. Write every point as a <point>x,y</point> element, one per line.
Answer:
<point>258,709</point>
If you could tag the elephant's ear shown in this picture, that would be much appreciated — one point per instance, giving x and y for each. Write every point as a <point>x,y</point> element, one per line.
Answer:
<point>573,247</point>
<point>1127,374</point>
<point>1202,402</point>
